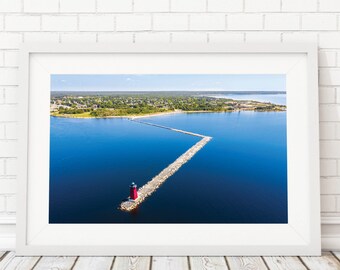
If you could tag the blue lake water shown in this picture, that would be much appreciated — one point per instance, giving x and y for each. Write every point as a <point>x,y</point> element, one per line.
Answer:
<point>240,176</point>
<point>273,98</point>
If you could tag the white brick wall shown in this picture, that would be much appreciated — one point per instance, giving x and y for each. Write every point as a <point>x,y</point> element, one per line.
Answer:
<point>225,6</point>
<point>133,22</point>
<point>170,22</point>
<point>77,5</point>
<point>299,5</point>
<point>176,21</point>
<point>59,23</point>
<point>41,6</point>
<point>114,6</point>
<point>244,22</point>
<point>96,23</point>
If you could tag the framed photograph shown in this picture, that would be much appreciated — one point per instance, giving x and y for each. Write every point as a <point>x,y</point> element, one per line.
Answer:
<point>169,150</point>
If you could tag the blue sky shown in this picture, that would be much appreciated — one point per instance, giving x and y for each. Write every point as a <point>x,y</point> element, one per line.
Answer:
<point>168,82</point>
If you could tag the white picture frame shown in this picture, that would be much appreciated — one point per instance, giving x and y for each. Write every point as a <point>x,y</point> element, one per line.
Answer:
<point>301,236</point>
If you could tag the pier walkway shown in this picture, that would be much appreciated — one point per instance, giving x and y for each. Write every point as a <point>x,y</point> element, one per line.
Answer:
<point>151,186</point>
<point>169,128</point>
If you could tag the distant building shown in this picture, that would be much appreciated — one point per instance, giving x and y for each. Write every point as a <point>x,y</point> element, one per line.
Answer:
<point>53,108</point>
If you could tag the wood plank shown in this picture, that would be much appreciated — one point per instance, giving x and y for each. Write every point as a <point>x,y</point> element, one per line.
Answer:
<point>246,263</point>
<point>284,263</point>
<point>2,253</point>
<point>208,263</point>
<point>22,263</point>
<point>170,263</point>
<point>60,263</point>
<point>6,259</point>
<point>91,263</point>
<point>337,254</point>
<point>326,262</point>
<point>132,263</point>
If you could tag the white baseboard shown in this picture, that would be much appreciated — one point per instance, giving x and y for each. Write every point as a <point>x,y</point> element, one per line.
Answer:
<point>331,242</point>
<point>7,242</point>
<point>328,241</point>
<point>330,220</point>
<point>7,233</point>
<point>8,220</point>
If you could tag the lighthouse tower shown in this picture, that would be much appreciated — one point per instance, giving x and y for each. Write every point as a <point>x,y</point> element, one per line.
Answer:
<point>133,191</point>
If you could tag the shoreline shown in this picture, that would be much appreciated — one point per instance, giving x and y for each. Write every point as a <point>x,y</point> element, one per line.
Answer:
<point>153,114</point>
<point>116,116</point>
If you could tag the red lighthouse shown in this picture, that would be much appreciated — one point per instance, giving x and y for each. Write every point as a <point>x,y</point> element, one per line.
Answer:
<point>133,191</point>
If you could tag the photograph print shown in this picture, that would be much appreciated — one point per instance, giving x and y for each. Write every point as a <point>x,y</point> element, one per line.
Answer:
<point>168,148</point>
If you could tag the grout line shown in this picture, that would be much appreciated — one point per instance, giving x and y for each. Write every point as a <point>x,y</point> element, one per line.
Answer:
<point>166,12</point>
<point>300,22</point>
<point>4,94</point>
<point>5,174</point>
<point>188,22</point>
<point>5,132</point>
<point>151,22</point>
<point>3,135</point>
<point>40,22</point>
<point>297,31</point>
<point>78,22</point>
<point>263,21</point>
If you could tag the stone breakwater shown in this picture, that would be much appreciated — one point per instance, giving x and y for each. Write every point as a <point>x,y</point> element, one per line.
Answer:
<point>151,186</point>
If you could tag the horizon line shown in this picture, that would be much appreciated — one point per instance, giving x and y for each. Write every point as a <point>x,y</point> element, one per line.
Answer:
<point>126,91</point>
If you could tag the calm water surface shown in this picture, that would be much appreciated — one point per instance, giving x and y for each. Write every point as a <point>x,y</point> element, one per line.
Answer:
<point>240,176</point>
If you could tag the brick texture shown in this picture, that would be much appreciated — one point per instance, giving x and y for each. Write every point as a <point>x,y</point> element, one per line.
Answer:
<point>176,21</point>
